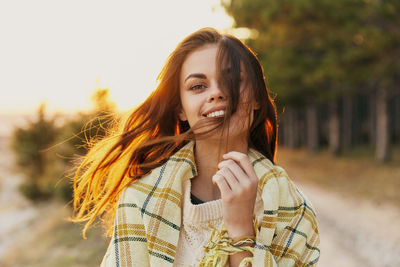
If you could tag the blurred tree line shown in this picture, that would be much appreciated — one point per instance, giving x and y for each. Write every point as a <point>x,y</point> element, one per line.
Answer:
<point>335,67</point>
<point>46,150</point>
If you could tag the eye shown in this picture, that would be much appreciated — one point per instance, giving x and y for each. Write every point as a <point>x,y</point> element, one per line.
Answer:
<point>197,87</point>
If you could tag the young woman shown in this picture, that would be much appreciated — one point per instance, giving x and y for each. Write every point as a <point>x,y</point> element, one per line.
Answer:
<point>189,179</point>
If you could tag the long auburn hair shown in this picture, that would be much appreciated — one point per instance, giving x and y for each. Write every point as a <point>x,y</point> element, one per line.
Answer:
<point>153,132</point>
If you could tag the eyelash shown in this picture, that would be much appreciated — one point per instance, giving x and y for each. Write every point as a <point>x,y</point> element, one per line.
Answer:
<point>201,86</point>
<point>196,87</point>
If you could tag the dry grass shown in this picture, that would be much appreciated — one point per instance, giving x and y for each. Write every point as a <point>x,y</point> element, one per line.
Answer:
<point>356,172</point>
<point>55,242</point>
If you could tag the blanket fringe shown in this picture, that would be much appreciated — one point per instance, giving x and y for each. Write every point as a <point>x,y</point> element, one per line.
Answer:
<point>220,246</point>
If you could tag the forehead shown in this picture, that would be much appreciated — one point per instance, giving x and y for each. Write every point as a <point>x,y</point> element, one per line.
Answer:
<point>201,60</point>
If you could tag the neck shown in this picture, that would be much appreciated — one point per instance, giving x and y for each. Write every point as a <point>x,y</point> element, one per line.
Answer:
<point>208,154</point>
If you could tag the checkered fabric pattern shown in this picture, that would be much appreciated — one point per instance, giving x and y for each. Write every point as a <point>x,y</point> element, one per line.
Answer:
<point>148,217</point>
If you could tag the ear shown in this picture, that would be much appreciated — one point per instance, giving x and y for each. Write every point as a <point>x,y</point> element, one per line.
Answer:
<point>182,115</point>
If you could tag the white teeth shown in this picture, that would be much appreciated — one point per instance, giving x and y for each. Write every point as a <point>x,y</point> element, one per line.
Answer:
<point>216,113</point>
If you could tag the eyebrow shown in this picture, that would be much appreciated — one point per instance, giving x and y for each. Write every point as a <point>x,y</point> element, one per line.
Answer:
<point>196,75</point>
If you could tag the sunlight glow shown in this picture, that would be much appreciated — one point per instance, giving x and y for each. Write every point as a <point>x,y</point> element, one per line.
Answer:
<point>61,51</point>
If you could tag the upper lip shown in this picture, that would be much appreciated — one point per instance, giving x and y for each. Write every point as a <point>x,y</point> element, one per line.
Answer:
<point>217,108</point>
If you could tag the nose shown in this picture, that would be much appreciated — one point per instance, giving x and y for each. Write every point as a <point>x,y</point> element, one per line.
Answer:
<point>215,95</point>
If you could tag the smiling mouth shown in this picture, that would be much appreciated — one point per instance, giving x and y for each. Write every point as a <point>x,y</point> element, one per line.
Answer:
<point>218,113</point>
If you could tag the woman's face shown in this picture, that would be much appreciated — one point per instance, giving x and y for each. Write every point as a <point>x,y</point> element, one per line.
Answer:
<point>201,97</point>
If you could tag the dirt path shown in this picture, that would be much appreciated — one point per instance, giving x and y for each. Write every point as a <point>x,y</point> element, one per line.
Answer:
<point>15,211</point>
<point>354,232</point>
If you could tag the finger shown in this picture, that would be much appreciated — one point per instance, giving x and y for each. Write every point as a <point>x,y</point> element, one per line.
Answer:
<point>234,168</point>
<point>230,178</point>
<point>222,185</point>
<point>243,161</point>
<point>242,182</point>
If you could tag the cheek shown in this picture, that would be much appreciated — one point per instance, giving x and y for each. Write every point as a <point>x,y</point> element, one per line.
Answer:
<point>191,112</point>
<point>185,104</point>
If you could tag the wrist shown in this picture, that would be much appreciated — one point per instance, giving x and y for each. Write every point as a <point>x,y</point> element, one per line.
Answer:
<point>246,227</point>
<point>240,230</point>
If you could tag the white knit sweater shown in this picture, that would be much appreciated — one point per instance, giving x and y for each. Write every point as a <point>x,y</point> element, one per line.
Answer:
<point>195,231</point>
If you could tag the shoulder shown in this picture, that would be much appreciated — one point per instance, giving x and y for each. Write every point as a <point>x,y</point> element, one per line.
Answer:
<point>275,184</point>
<point>290,194</point>
<point>178,167</point>
<point>164,181</point>
<point>268,173</point>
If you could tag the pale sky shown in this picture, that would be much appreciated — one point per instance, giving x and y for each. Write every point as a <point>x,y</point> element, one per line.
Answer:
<point>60,51</point>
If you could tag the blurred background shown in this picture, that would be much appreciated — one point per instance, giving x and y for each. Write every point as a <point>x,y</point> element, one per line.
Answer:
<point>68,68</point>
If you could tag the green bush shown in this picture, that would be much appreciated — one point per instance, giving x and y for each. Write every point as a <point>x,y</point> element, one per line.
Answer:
<point>30,146</point>
<point>45,153</point>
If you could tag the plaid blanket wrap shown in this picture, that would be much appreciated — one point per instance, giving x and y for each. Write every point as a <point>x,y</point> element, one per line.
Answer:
<point>148,217</point>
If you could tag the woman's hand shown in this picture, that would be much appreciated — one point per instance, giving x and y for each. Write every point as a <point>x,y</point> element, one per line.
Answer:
<point>238,182</point>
